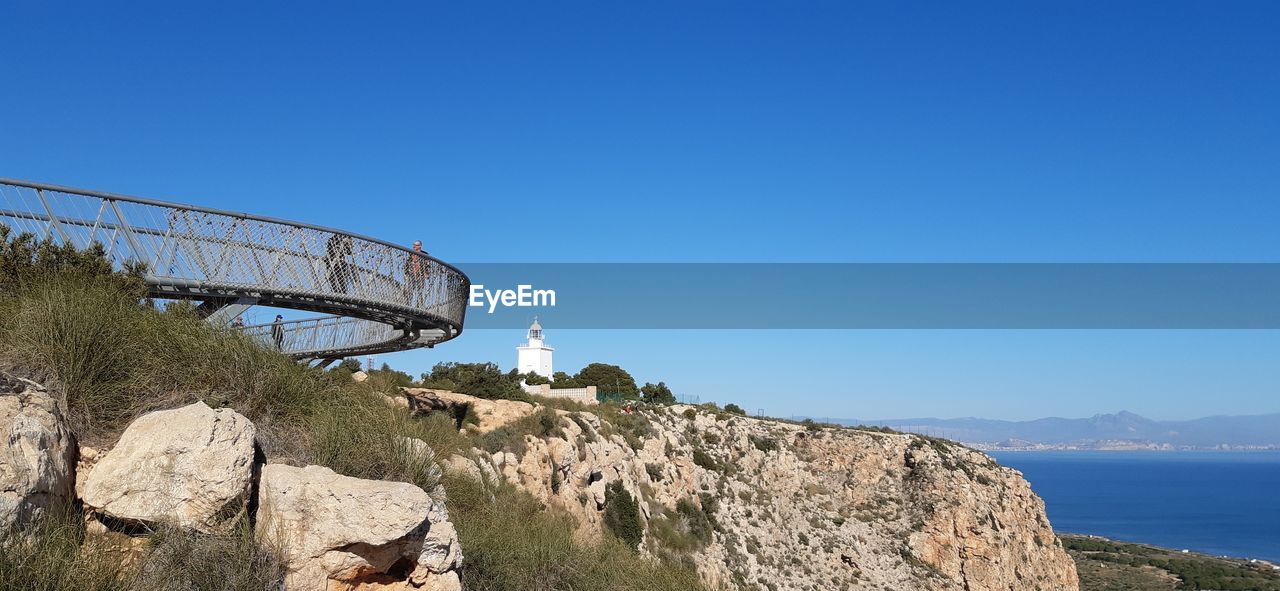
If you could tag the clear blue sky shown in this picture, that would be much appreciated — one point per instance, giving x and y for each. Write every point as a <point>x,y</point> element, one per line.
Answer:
<point>708,131</point>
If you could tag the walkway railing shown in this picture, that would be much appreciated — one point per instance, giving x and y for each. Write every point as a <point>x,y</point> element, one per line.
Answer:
<point>382,297</point>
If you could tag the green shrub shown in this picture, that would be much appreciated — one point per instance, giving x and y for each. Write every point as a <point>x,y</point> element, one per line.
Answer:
<point>710,506</point>
<point>510,437</point>
<point>483,380</point>
<point>764,444</point>
<point>504,438</point>
<point>187,561</point>
<point>732,408</point>
<point>535,379</point>
<point>363,437</point>
<point>114,358</point>
<point>633,425</point>
<point>55,554</point>
<point>513,543</point>
<point>654,470</point>
<point>608,378</point>
<point>556,479</point>
<point>657,393</point>
<point>23,260</point>
<point>697,522</point>
<point>52,554</point>
<point>703,459</point>
<point>622,514</point>
<point>547,423</point>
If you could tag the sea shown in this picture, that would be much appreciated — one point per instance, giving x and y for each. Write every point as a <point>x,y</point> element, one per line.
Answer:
<point>1219,503</point>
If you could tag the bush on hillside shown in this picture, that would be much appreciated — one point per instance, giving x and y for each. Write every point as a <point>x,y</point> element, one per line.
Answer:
<point>534,379</point>
<point>483,380</point>
<point>657,393</point>
<point>52,554</point>
<point>697,522</point>
<point>23,260</point>
<point>513,543</point>
<point>113,357</point>
<point>622,514</point>
<point>609,379</point>
<point>341,439</point>
<point>703,459</point>
<point>55,554</point>
<point>561,379</point>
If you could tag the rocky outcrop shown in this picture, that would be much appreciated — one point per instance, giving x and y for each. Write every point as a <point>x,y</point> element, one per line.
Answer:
<point>778,505</point>
<point>190,467</point>
<point>339,532</point>
<point>37,452</point>
<point>196,469</point>
<point>490,414</point>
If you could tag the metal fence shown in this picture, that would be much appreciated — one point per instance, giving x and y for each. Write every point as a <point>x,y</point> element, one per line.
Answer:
<point>380,297</point>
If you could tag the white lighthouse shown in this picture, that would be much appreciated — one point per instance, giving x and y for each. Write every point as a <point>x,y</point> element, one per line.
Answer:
<point>536,355</point>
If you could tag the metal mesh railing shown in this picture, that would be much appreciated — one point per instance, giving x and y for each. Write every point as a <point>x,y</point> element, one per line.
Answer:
<point>326,336</point>
<point>387,292</point>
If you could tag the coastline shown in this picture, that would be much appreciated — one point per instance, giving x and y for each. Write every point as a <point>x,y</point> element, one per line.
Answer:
<point>1215,503</point>
<point>988,447</point>
<point>1266,562</point>
<point>1106,564</point>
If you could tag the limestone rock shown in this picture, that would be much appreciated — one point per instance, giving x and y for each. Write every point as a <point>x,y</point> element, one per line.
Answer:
<point>401,402</point>
<point>859,509</point>
<point>458,465</point>
<point>360,376</point>
<point>37,452</point>
<point>84,466</point>
<point>191,467</point>
<point>491,413</point>
<point>440,552</point>
<point>341,532</point>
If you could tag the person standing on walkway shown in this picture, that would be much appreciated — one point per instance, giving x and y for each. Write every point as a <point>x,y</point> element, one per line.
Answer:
<point>415,274</point>
<point>277,332</point>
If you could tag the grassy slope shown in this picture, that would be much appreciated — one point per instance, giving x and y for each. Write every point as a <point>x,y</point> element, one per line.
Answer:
<point>66,319</point>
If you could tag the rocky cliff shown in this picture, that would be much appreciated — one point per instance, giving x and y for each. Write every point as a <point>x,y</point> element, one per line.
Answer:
<point>750,503</point>
<point>763,504</point>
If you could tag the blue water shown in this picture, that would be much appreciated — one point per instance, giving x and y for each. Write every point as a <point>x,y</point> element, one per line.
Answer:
<point>1221,503</point>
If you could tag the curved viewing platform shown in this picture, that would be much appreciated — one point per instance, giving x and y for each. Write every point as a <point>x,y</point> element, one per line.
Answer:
<point>374,296</point>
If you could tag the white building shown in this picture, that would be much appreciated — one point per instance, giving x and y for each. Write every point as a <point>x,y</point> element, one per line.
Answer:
<point>536,355</point>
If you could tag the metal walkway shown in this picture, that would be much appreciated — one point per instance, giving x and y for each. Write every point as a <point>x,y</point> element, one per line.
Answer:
<point>376,297</point>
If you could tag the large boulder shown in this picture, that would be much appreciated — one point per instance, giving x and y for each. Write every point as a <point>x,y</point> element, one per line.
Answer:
<point>37,452</point>
<point>190,467</point>
<point>338,532</point>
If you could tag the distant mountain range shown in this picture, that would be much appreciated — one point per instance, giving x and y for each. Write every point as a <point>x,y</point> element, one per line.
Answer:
<point>1123,430</point>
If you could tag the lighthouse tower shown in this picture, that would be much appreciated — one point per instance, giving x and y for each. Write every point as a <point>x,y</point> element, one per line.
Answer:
<point>536,355</point>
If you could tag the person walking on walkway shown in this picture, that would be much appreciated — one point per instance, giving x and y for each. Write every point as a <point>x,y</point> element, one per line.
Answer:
<point>277,332</point>
<point>336,255</point>
<point>415,274</point>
